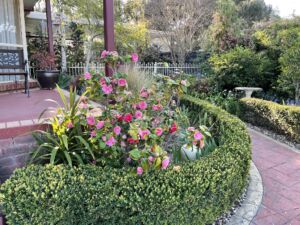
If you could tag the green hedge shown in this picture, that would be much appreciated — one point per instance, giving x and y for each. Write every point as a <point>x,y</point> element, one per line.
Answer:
<point>278,118</point>
<point>197,194</point>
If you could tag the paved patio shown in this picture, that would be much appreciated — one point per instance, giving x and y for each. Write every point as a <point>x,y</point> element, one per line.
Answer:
<point>279,167</point>
<point>19,114</point>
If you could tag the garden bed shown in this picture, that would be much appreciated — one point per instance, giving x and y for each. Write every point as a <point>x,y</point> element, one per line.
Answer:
<point>191,193</point>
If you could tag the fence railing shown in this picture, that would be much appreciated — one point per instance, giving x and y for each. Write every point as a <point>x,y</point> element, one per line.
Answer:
<point>150,68</point>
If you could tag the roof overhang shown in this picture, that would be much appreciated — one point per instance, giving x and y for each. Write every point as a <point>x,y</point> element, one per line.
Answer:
<point>29,4</point>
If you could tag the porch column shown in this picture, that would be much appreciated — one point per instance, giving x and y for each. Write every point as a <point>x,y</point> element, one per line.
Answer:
<point>49,27</point>
<point>109,33</point>
<point>23,29</point>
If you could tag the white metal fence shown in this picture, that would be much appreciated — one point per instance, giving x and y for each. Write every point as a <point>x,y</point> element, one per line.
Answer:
<point>150,68</point>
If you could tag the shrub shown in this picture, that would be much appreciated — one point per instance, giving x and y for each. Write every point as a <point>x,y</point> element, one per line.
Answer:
<point>241,67</point>
<point>278,118</point>
<point>192,193</point>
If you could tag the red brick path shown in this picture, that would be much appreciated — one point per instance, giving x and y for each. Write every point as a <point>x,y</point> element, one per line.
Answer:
<point>279,167</point>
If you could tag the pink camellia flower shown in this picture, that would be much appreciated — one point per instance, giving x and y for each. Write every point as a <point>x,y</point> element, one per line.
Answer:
<point>90,120</point>
<point>142,105</point>
<point>144,133</point>
<point>104,54</point>
<point>124,137</point>
<point>165,163</point>
<point>151,159</point>
<point>157,107</point>
<point>83,105</point>
<point>114,53</point>
<point>117,130</point>
<point>102,81</point>
<point>111,141</point>
<point>127,118</point>
<point>107,89</point>
<point>144,93</point>
<point>198,136</point>
<point>173,128</point>
<point>93,134</point>
<point>134,57</point>
<point>139,170</point>
<point>70,125</point>
<point>87,76</point>
<point>123,144</point>
<point>159,131</point>
<point>100,125</point>
<point>138,115</point>
<point>104,138</point>
<point>122,82</point>
<point>184,82</point>
<point>191,129</point>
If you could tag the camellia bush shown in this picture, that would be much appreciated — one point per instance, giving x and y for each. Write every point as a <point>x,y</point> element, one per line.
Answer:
<point>128,130</point>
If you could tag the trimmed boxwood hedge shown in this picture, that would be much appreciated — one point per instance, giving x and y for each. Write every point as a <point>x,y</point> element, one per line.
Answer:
<point>196,194</point>
<point>281,119</point>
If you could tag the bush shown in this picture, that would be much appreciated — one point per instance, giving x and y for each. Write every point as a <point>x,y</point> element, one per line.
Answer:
<point>194,193</point>
<point>241,67</point>
<point>278,118</point>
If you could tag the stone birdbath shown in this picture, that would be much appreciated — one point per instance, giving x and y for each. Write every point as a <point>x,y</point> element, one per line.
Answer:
<point>248,90</point>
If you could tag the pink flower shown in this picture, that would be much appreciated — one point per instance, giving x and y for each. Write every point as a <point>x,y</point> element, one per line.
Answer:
<point>111,141</point>
<point>122,82</point>
<point>93,134</point>
<point>157,107</point>
<point>117,130</point>
<point>198,136</point>
<point>100,125</point>
<point>102,81</point>
<point>114,53</point>
<point>70,125</point>
<point>184,82</point>
<point>142,105</point>
<point>151,159</point>
<point>104,138</point>
<point>191,129</point>
<point>107,89</point>
<point>144,93</point>
<point>144,133</point>
<point>124,137</point>
<point>139,170</point>
<point>127,118</point>
<point>90,120</point>
<point>159,131</point>
<point>173,128</point>
<point>87,76</point>
<point>83,105</point>
<point>138,115</point>
<point>123,144</point>
<point>165,163</point>
<point>134,57</point>
<point>104,54</point>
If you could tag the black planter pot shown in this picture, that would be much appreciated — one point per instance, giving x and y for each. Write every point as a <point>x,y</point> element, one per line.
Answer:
<point>47,79</point>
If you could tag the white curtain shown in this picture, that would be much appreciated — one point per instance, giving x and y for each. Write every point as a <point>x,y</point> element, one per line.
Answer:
<point>10,31</point>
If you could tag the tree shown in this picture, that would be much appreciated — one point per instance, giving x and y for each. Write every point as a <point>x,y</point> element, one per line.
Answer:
<point>226,28</point>
<point>180,23</point>
<point>290,66</point>
<point>255,10</point>
<point>90,14</point>
<point>76,49</point>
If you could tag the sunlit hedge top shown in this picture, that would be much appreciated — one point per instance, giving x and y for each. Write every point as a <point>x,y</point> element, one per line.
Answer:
<point>192,193</point>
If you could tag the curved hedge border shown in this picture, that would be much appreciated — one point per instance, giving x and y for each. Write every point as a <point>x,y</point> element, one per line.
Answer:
<point>278,118</point>
<point>197,194</point>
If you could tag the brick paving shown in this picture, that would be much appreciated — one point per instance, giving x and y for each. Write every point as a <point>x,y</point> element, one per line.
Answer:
<point>279,167</point>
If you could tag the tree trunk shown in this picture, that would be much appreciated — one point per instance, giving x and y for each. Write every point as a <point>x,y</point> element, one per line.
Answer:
<point>297,92</point>
<point>88,55</point>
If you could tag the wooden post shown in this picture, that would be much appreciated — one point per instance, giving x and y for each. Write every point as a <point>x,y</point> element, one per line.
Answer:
<point>49,27</point>
<point>109,32</point>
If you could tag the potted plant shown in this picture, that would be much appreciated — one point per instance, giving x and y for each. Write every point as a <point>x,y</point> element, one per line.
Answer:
<point>47,73</point>
<point>194,143</point>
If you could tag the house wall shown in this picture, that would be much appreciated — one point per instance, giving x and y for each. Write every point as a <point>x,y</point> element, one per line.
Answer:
<point>12,30</point>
